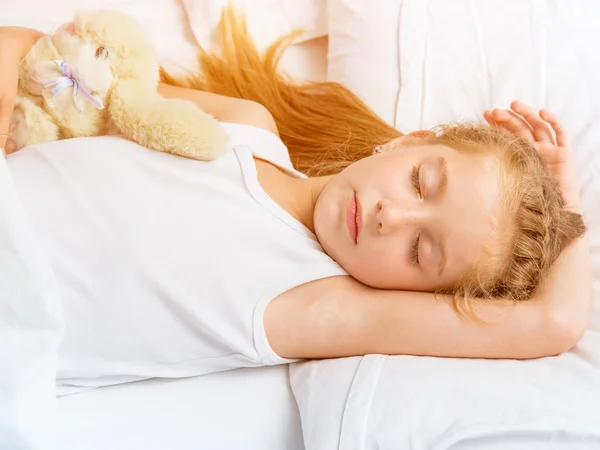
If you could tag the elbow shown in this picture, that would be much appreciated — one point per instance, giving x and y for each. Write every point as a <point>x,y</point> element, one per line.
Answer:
<point>566,329</point>
<point>570,335</point>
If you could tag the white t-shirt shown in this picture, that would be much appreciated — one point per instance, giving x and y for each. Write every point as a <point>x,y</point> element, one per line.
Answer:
<point>166,265</point>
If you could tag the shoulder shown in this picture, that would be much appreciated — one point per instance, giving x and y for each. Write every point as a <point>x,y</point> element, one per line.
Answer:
<point>263,143</point>
<point>18,40</point>
<point>312,319</point>
<point>256,115</point>
<point>224,108</point>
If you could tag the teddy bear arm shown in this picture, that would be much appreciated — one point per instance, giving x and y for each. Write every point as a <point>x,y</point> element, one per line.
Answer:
<point>168,125</point>
<point>38,74</point>
<point>30,124</point>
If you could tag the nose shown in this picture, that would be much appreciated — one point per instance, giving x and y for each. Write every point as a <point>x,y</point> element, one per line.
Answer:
<point>391,216</point>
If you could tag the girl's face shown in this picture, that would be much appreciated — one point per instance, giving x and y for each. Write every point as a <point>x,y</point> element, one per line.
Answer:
<point>410,218</point>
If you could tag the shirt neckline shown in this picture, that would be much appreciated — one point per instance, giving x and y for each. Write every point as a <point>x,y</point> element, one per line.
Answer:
<point>250,174</point>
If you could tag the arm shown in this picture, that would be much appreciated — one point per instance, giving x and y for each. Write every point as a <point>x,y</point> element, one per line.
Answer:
<point>339,317</point>
<point>222,108</point>
<point>15,43</point>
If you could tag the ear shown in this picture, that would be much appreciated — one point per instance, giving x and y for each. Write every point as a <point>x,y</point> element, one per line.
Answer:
<point>70,28</point>
<point>67,28</point>
<point>422,133</point>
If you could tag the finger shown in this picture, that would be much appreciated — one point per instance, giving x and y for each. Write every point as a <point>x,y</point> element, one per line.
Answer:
<point>562,138</point>
<point>552,155</point>
<point>513,123</point>
<point>541,130</point>
<point>487,115</point>
<point>503,119</point>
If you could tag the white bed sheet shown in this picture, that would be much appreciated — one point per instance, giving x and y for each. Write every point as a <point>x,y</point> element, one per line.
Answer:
<point>246,409</point>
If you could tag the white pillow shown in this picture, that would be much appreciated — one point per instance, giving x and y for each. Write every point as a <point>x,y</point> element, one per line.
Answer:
<point>163,20</point>
<point>456,59</point>
<point>363,51</point>
<point>30,329</point>
<point>267,21</point>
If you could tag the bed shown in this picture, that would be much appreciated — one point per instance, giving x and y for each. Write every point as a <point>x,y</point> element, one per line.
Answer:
<point>391,53</point>
<point>245,409</point>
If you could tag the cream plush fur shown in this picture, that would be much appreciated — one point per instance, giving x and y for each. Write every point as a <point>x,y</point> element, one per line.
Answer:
<point>109,54</point>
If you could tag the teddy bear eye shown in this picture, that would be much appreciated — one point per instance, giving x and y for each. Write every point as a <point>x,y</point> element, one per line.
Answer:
<point>101,53</point>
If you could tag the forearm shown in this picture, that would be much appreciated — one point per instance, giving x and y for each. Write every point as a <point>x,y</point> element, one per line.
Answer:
<point>360,320</point>
<point>222,108</point>
<point>339,316</point>
<point>19,39</point>
<point>550,323</point>
<point>15,43</point>
<point>567,291</point>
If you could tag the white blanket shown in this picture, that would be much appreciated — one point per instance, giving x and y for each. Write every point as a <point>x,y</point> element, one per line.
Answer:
<point>30,329</point>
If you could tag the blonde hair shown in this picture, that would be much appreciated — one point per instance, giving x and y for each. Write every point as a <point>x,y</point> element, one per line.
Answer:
<point>326,128</point>
<point>540,224</point>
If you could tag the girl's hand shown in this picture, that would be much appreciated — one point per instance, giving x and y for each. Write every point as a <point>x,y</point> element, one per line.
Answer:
<point>547,134</point>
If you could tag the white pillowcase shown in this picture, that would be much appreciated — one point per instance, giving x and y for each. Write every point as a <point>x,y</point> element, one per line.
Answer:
<point>30,329</point>
<point>456,59</point>
<point>267,21</point>
<point>363,51</point>
<point>163,20</point>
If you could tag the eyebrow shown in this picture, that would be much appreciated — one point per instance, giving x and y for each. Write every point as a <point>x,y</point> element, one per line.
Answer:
<point>442,245</point>
<point>443,168</point>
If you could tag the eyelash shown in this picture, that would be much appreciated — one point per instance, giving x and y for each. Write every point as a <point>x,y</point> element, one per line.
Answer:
<point>416,182</point>
<point>414,251</point>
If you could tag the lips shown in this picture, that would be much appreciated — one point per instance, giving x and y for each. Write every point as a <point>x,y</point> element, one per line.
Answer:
<point>351,218</point>
<point>359,216</point>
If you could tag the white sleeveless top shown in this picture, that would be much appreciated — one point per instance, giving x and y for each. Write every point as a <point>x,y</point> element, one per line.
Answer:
<point>165,265</point>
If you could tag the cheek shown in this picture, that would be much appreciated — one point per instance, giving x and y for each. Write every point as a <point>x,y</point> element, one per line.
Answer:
<point>369,169</point>
<point>95,74</point>
<point>102,77</point>
<point>325,221</point>
<point>381,264</point>
<point>381,176</point>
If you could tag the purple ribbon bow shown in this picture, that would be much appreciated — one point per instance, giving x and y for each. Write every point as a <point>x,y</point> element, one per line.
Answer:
<point>68,79</point>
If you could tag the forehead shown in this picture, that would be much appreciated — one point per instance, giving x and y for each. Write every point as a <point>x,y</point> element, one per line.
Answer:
<point>468,212</point>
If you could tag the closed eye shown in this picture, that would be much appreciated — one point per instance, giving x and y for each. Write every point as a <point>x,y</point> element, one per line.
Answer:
<point>416,179</point>
<point>414,251</point>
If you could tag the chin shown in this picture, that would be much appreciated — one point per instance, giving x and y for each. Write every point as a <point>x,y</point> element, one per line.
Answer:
<point>323,238</point>
<point>329,226</point>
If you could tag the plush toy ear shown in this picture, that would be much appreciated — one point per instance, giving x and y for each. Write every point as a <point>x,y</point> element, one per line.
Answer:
<point>69,28</point>
<point>168,125</point>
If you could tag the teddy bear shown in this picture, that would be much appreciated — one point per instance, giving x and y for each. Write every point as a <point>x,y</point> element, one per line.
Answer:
<point>99,75</point>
